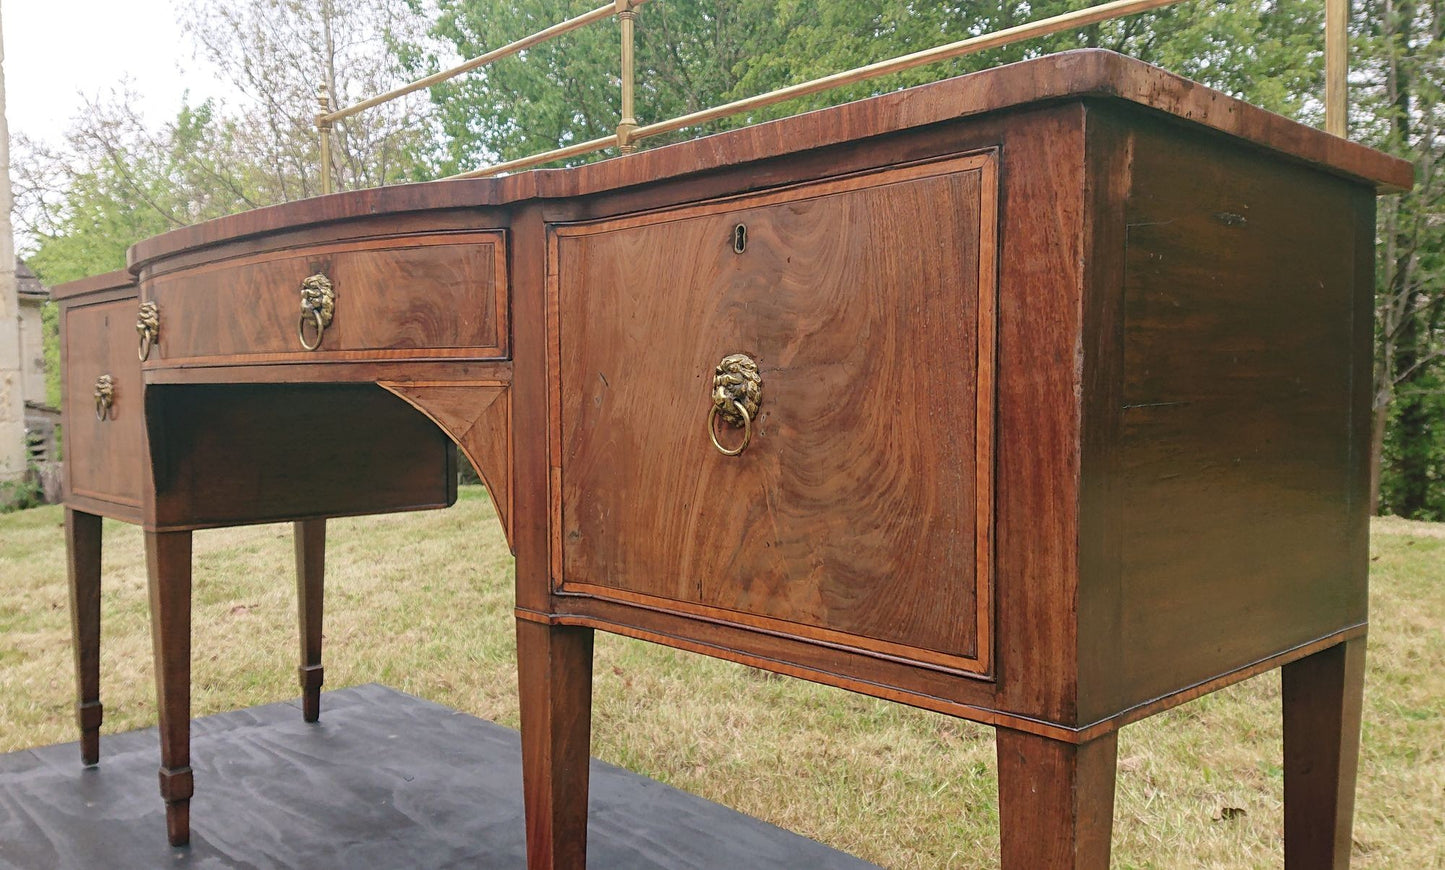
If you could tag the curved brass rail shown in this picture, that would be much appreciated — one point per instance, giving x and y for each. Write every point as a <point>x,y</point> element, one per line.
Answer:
<point>629,132</point>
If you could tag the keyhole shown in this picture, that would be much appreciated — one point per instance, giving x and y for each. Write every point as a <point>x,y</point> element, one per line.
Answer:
<point>740,239</point>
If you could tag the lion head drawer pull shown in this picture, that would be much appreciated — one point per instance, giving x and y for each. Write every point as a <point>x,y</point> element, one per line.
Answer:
<point>318,303</point>
<point>737,393</point>
<point>104,397</point>
<point>148,326</point>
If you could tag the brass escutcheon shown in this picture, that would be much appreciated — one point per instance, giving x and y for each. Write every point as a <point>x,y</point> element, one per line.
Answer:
<point>104,397</point>
<point>318,304</point>
<point>148,325</point>
<point>737,394</point>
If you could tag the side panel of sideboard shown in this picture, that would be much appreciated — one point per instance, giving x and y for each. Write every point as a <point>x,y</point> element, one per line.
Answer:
<point>1237,498</point>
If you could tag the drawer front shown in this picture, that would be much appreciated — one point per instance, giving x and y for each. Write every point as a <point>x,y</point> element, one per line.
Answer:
<point>104,458</point>
<point>394,298</point>
<point>860,512</point>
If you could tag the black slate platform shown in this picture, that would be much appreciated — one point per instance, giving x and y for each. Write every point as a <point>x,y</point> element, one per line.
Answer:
<point>385,780</point>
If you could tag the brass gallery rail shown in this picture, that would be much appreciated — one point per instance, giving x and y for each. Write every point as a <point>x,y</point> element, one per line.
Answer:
<point>629,132</point>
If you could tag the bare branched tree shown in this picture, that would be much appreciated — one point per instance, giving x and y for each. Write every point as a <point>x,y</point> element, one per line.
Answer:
<point>279,53</point>
<point>1401,108</point>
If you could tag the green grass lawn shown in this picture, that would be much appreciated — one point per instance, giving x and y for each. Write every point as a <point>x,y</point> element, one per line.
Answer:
<point>421,602</point>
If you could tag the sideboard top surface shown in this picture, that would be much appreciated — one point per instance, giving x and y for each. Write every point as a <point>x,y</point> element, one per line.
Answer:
<point>118,279</point>
<point>1090,73</point>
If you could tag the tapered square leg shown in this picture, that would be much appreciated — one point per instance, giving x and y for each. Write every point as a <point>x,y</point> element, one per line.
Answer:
<point>1056,801</point>
<point>555,670</point>
<point>168,562</point>
<point>82,547</point>
<point>310,573</point>
<point>1323,695</point>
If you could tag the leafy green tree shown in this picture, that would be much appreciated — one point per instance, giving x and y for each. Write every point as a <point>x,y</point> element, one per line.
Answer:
<point>114,182</point>
<point>116,179</point>
<point>1267,52</point>
<point>692,54</point>
<point>278,54</point>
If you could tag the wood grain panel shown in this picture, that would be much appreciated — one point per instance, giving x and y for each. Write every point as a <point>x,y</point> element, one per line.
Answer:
<point>1241,497</point>
<point>443,295</point>
<point>856,511</point>
<point>477,416</point>
<point>103,456</point>
<point>1100,538</point>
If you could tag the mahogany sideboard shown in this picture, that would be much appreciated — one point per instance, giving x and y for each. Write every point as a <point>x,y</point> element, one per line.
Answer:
<point>1037,397</point>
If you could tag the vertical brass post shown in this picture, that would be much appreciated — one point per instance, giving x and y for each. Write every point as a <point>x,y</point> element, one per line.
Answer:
<point>627,14</point>
<point>1337,66</point>
<point>323,131</point>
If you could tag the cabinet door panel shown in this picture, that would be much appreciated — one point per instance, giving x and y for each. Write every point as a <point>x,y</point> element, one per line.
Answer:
<point>104,457</point>
<point>860,511</point>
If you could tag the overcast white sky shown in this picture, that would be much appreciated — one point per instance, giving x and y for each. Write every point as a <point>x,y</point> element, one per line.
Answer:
<point>55,50</point>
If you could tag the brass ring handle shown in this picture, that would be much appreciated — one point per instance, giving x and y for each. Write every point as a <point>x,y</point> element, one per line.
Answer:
<point>747,430</point>
<point>737,394</point>
<point>104,397</point>
<point>301,330</point>
<point>318,305</point>
<point>148,325</point>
